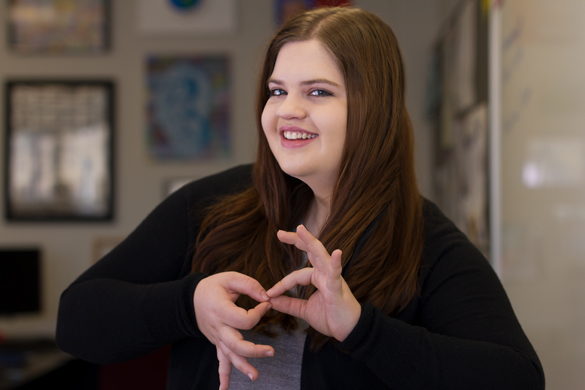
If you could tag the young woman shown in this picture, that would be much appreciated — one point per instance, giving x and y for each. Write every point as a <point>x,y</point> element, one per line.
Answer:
<point>322,254</point>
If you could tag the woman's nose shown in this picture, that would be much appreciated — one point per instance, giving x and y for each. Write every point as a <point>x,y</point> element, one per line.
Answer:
<point>291,108</point>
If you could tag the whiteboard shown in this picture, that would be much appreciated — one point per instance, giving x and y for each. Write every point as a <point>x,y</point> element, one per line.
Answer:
<point>538,124</point>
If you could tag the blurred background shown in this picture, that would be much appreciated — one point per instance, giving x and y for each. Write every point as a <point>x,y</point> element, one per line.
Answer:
<point>108,106</point>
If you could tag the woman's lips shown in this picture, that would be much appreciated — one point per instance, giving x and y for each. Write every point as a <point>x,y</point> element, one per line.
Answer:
<point>295,137</point>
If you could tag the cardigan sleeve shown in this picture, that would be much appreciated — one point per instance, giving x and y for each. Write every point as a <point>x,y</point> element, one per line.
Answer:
<point>461,333</point>
<point>139,297</point>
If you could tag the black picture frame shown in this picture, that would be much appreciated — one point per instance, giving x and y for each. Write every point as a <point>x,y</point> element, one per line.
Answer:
<point>57,27</point>
<point>59,150</point>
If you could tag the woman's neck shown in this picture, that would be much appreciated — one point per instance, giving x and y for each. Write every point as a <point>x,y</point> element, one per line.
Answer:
<point>317,215</point>
<point>320,207</point>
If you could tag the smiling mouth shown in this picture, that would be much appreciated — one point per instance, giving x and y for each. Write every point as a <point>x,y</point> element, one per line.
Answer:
<point>298,135</point>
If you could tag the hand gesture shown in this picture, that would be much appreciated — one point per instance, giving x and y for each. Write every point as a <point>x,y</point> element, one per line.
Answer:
<point>218,318</point>
<point>332,310</point>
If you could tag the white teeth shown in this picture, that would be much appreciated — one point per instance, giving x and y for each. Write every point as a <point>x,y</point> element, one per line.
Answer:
<point>298,135</point>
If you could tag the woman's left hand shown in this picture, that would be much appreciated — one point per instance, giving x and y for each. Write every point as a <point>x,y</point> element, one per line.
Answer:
<point>332,310</point>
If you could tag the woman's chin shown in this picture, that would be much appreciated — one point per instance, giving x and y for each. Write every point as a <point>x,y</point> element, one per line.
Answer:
<point>293,171</point>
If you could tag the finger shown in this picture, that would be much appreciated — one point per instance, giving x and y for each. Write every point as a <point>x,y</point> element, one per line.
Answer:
<point>241,318</point>
<point>320,258</point>
<point>240,363</point>
<point>301,277</point>
<point>243,284</point>
<point>234,341</point>
<point>225,369</point>
<point>291,238</point>
<point>292,306</point>
<point>334,274</point>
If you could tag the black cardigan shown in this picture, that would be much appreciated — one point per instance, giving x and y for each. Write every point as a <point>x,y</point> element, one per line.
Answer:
<point>460,332</point>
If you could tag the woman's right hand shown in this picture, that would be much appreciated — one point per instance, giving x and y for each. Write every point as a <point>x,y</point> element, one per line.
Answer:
<point>219,319</point>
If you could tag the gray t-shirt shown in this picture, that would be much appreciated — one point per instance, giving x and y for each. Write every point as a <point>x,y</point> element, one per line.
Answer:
<point>283,370</point>
<point>280,372</point>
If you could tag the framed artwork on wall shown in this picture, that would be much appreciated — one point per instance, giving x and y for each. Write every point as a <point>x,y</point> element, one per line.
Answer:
<point>58,26</point>
<point>286,9</point>
<point>188,107</point>
<point>59,150</point>
<point>186,17</point>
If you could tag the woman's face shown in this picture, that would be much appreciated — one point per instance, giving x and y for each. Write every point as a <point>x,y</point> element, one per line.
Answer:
<point>305,117</point>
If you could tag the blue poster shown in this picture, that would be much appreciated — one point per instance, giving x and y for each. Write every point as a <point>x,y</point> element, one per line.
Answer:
<point>188,107</point>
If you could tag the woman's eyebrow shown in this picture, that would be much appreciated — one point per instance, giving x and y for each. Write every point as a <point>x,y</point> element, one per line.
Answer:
<point>308,82</point>
<point>321,81</point>
<point>273,81</point>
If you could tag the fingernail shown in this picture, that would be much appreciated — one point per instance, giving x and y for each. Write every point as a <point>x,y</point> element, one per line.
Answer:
<point>250,376</point>
<point>264,296</point>
<point>269,353</point>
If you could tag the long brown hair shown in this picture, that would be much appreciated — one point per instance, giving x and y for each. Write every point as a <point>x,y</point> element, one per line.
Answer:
<point>376,184</point>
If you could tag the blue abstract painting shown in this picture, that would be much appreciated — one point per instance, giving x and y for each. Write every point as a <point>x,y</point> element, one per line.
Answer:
<point>188,111</point>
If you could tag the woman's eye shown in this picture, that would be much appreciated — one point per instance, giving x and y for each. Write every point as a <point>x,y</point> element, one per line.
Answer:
<point>277,92</point>
<point>320,92</point>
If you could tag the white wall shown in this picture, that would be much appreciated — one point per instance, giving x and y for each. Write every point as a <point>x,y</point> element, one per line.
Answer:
<point>67,247</point>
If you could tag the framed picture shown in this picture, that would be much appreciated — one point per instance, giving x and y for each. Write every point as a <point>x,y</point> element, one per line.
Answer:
<point>59,150</point>
<point>58,26</point>
<point>186,17</point>
<point>286,9</point>
<point>188,108</point>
